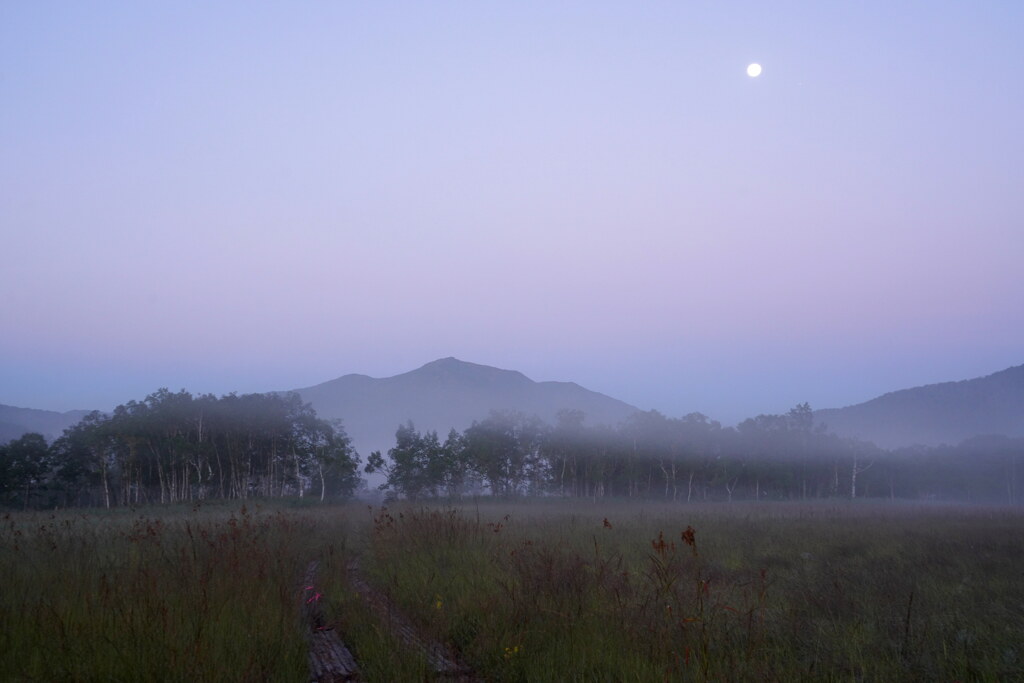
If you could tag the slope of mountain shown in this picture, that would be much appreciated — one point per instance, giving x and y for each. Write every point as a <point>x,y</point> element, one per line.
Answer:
<point>937,413</point>
<point>17,421</point>
<point>447,394</point>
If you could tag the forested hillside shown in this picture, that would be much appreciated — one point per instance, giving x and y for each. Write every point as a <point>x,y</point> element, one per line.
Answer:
<point>944,413</point>
<point>17,421</point>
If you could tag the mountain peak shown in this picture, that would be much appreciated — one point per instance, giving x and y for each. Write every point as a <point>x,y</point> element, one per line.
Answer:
<point>449,393</point>
<point>453,369</point>
<point>448,360</point>
<point>449,363</point>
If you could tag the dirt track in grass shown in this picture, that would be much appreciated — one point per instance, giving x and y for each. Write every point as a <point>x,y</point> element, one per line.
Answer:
<point>331,661</point>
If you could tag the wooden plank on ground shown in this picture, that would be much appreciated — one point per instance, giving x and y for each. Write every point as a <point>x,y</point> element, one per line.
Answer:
<point>329,660</point>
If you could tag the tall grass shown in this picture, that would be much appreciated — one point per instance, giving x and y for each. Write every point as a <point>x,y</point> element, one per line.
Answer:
<point>166,595</point>
<point>757,592</point>
<point>547,591</point>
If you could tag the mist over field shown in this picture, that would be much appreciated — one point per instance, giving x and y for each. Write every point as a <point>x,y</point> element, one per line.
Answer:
<point>451,430</point>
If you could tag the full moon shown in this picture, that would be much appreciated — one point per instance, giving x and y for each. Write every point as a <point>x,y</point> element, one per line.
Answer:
<point>754,70</point>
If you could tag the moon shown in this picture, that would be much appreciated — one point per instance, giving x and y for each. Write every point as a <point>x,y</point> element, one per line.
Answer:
<point>754,70</point>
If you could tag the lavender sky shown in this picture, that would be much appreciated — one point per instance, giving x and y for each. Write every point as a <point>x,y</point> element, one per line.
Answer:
<point>249,196</point>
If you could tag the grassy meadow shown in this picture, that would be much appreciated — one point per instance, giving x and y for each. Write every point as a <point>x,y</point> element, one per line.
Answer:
<point>548,590</point>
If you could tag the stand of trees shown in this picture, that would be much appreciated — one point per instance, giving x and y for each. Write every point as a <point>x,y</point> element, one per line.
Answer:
<point>693,458</point>
<point>174,447</point>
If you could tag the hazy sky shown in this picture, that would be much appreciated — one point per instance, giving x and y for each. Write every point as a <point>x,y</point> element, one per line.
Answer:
<point>247,196</point>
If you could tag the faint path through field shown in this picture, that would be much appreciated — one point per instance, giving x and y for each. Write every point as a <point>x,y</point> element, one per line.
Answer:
<point>442,661</point>
<point>330,661</point>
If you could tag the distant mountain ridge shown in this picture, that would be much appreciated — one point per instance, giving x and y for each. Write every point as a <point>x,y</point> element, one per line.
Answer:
<point>934,414</point>
<point>14,422</point>
<point>448,394</point>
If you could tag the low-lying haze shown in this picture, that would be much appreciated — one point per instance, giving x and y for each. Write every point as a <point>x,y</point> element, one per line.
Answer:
<point>250,197</point>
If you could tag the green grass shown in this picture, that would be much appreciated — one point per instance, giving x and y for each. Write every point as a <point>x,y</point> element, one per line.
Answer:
<point>165,595</point>
<point>526,592</point>
<point>773,592</point>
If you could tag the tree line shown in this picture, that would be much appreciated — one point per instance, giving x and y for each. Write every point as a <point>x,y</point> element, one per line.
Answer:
<point>174,447</point>
<point>692,458</point>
